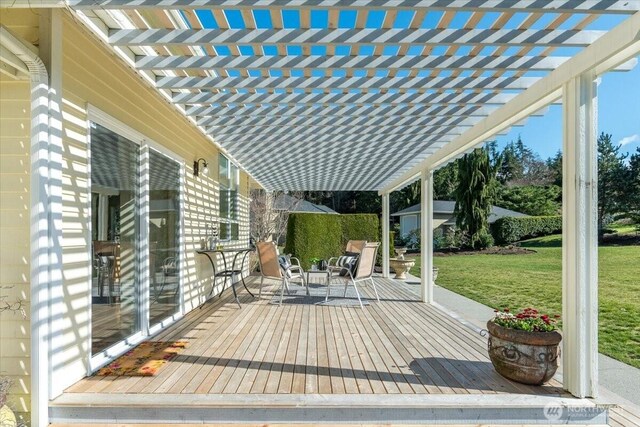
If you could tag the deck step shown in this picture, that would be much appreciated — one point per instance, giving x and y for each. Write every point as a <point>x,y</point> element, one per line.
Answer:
<point>468,409</point>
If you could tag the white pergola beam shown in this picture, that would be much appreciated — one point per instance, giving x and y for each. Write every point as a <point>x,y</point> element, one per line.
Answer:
<point>532,6</point>
<point>340,111</point>
<point>365,62</point>
<point>337,110</point>
<point>362,83</point>
<point>320,134</point>
<point>334,37</point>
<point>427,143</point>
<point>306,121</point>
<point>339,98</point>
<point>580,237</point>
<point>618,46</point>
<point>330,120</point>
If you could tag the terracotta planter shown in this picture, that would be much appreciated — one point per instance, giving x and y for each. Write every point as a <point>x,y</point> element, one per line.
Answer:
<point>525,357</point>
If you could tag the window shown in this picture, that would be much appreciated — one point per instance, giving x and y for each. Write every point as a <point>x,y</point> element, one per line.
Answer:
<point>228,175</point>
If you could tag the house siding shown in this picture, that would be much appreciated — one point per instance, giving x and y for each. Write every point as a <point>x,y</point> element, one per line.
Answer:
<point>438,221</point>
<point>15,124</point>
<point>91,75</point>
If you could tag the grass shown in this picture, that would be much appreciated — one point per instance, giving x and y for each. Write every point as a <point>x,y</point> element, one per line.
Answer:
<point>534,280</point>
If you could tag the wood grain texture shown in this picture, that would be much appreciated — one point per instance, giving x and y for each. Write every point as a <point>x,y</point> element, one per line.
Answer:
<point>397,345</point>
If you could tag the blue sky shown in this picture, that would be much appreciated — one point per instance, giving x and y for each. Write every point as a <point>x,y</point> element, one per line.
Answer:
<point>618,114</point>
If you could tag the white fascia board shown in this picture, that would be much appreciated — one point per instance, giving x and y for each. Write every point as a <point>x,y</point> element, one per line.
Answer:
<point>616,47</point>
<point>530,6</point>
<point>32,4</point>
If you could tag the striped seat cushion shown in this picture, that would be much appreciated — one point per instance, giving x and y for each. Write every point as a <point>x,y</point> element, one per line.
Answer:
<point>349,261</point>
<point>345,261</point>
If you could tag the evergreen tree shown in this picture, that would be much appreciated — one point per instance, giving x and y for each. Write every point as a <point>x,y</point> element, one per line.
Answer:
<point>511,166</point>
<point>536,200</point>
<point>633,186</point>
<point>612,179</point>
<point>406,197</point>
<point>554,164</point>
<point>474,196</point>
<point>445,182</point>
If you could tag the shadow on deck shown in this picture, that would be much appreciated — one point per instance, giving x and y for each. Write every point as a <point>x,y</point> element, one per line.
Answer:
<point>397,359</point>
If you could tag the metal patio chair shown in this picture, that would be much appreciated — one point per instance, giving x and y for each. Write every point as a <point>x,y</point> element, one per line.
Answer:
<point>270,268</point>
<point>363,271</point>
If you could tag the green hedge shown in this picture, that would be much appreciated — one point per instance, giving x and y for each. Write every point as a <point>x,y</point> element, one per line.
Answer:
<point>509,229</point>
<point>360,227</point>
<point>324,235</point>
<point>313,236</point>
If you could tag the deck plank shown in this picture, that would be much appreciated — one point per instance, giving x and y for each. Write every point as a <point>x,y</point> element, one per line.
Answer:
<point>275,371</point>
<point>343,360</point>
<point>397,345</point>
<point>324,377</point>
<point>224,354</point>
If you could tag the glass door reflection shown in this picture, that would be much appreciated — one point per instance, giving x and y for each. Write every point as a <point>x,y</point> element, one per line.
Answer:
<point>115,313</point>
<point>164,237</point>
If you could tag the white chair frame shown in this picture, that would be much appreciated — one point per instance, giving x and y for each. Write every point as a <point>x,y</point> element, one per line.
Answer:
<point>360,277</point>
<point>296,272</point>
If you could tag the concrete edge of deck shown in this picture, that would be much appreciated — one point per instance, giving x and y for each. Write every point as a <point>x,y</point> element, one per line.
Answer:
<point>84,408</point>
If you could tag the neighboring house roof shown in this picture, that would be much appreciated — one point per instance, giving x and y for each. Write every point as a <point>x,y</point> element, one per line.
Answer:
<point>447,207</point>
<point>287,202</point>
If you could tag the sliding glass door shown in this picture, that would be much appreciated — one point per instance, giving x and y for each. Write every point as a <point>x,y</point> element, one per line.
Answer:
<point>164,237</point>
<point>115,284</point>
<point>136,233</point>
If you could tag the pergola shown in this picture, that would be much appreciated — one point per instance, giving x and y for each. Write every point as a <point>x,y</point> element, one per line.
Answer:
<point>372,95</point>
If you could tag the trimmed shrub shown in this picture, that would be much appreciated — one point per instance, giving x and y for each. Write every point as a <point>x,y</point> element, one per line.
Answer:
<point>325,236</point>
<point>313,236</point>
<point>360,227</point>
<point>510,229</point>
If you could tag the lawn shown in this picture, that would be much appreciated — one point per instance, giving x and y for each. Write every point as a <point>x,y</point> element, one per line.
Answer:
<point>534,280</point>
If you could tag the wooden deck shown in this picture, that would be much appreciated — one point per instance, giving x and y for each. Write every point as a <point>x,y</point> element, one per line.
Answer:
<point>396,346</point>
<point>397,359</point>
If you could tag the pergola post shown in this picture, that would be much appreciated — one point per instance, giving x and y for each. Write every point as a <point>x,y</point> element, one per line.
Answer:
<point>385,235</point>
<point>579,237</point>
<point>426,235</point>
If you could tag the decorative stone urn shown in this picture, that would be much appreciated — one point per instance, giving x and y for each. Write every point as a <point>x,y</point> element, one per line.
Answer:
<point>401,267</point>
<point>522,356</point>
<point>400,252</point>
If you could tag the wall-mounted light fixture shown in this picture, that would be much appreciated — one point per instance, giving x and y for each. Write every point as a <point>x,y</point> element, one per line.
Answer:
<point>196,167</point>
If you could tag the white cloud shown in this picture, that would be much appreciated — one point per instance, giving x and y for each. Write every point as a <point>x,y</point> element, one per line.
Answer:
<point>629,139</point>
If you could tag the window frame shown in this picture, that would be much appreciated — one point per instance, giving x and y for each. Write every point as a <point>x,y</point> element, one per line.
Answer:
<point>98,360</point>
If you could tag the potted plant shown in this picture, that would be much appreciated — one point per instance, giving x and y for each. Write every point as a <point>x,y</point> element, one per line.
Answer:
<point>523,347</point>
<point>315,262</point>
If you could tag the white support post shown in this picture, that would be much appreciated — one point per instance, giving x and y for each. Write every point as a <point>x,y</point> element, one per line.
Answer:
<point>385,235</point>
<point>579,237</point>
<point>426,236</point>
